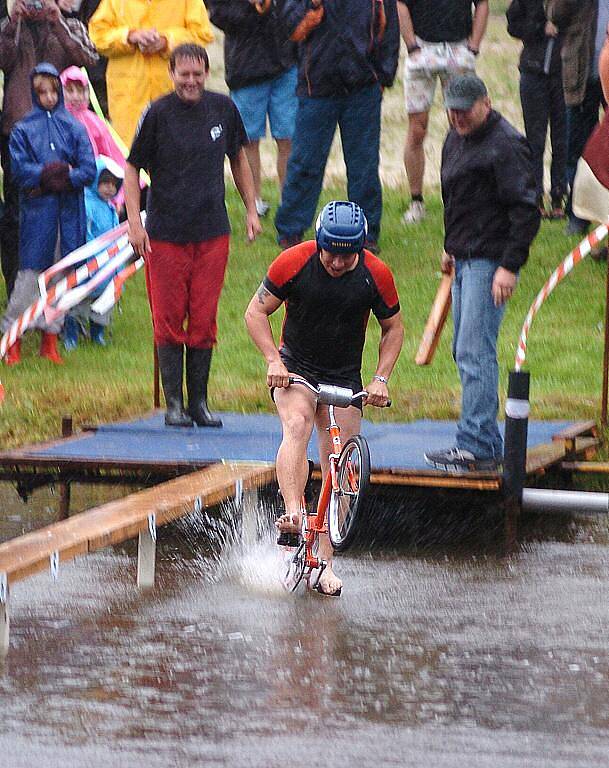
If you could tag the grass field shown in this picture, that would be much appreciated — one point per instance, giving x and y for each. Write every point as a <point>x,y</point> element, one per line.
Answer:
<point>565,350</point>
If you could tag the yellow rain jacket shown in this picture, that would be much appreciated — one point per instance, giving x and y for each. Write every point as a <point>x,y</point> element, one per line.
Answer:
<point>134,79</point>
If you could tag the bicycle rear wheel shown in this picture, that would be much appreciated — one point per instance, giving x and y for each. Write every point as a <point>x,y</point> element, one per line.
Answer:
<point>345,510</point>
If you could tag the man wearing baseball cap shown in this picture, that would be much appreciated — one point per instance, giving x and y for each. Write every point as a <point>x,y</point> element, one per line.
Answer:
<point>490,220</point>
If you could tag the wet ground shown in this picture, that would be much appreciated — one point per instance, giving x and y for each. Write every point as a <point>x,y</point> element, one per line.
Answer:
<point>442,652</point>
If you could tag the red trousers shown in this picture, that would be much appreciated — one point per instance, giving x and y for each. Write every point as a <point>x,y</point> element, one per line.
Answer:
<point>184,282</point>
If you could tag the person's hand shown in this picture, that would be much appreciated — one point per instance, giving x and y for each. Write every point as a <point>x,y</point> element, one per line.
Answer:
<point>551,30</point>
<point>138,237</point>
<point>19,9</point>
<point>65,5</point>
<point>142,37</point>
<point>504,284</point>
<point>252,225</point>
<point>447,263</point>
<point>55,178</point>
<point>155,46</point>
<point>51,11</point>
<point>277,375</point>
<point>378,393</point>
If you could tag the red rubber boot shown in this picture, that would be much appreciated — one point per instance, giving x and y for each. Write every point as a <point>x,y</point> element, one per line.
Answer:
<point>13,353</point>
<point>48,348</point>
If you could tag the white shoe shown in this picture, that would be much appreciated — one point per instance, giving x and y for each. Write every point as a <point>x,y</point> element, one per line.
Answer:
<point>262,208</point>
<point>415,213</point>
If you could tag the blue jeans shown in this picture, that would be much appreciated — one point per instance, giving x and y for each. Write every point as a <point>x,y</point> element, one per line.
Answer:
<point>358,116</point>
<point>476,327</point>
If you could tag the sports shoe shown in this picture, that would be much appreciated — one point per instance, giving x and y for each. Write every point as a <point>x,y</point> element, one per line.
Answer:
<point>416,212</point>
<point>457,460</point>
<point>262,207</point>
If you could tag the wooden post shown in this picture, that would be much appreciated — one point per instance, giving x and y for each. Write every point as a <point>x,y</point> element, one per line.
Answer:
<point>64,488</point>
<point>605,353</point>
<point>146,554</point>
<point>157,389</point>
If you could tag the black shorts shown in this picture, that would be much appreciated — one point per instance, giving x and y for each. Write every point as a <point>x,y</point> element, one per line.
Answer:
<point>316,376</point>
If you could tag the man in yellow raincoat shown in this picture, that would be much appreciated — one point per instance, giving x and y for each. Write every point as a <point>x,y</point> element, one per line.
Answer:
<point>138,36</point>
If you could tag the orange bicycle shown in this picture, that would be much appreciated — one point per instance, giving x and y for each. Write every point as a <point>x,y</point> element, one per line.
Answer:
<point>340,502</point>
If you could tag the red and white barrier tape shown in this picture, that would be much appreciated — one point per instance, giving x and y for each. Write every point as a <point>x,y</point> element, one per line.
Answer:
<point>576,255</point>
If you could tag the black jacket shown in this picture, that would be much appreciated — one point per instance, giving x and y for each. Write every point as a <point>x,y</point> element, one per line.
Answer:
<point>347,50</point>
<point>526,21</point>
<point>488,189</point>
<point>256,46</point>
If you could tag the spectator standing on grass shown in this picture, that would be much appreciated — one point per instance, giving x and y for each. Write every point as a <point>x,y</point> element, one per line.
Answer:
<point>541,94</point>
<point>52,161</point>
<point>30,36</point>
<point>442,39</point>
<point>348,52</point>
<point>584,27</point>
<point>260,70</point>
<point>182,140</point>
<point>490,220</point>
<point>138,37</point>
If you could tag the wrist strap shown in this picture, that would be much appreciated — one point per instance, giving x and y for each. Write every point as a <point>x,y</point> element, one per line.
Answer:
<point>382,379</point>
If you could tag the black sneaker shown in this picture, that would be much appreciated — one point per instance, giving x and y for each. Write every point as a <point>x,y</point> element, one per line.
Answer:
<point>457,460</point>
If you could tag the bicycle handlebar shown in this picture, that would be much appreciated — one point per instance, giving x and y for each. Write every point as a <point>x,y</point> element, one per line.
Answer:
<point>329,394</point>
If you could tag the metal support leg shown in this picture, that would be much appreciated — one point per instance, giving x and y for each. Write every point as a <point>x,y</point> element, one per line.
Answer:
<point>146,555</point>
<point>515,450</point>
<point>249,515</point>
<point>4,620</point>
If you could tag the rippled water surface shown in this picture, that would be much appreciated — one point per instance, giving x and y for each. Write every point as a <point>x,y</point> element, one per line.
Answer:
<point>442,654</point>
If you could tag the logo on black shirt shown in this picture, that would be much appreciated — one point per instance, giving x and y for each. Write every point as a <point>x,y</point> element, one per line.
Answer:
<point>216,132</point>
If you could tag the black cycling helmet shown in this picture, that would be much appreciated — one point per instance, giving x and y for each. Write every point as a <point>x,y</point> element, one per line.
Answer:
<point>341,227</point>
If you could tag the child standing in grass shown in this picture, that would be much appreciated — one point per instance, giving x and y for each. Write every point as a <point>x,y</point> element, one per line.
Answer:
<point>52,161</point>
<point>101,217</point>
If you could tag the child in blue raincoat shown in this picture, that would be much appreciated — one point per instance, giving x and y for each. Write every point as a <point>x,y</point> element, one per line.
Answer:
<point>101,216</point>
<point>52,161</point>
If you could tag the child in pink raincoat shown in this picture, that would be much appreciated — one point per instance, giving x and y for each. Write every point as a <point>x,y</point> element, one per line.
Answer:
<point>76,95</point>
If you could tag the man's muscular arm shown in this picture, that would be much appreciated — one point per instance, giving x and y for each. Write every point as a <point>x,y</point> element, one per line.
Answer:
<point>262,305</point>
<point>392,336</point>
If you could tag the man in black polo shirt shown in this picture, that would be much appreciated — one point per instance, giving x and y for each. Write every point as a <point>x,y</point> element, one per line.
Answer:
<point>329,286</point>
<point>443,39</point>
<point>181,141</point>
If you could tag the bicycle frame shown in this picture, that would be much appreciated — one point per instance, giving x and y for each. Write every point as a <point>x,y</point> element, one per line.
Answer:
<point>316,523</point>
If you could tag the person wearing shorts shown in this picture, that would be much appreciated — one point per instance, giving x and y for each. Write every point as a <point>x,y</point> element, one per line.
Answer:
<point>260,67</point>
<point>329,287</point>
<point>442,42</point>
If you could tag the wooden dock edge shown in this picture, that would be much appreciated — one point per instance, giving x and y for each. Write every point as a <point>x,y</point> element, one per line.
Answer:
<point>138,514</point>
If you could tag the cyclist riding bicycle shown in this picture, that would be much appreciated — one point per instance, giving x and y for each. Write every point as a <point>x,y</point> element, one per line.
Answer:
<point>328,286</point>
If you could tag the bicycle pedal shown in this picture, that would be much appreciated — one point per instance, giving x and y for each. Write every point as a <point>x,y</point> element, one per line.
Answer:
<point>287,539</point>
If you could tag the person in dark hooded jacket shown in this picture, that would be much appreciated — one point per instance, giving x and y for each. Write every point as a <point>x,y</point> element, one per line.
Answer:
<point>52,161</point>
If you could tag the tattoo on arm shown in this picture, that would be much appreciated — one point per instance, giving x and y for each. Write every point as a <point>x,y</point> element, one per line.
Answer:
<point>262,293</point>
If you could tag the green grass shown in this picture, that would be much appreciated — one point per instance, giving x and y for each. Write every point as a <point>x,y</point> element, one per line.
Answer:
<point>564,357</point>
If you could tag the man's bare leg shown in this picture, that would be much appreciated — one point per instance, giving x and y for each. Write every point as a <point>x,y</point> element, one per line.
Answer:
<point>284,147</point>
<point>349,420</point>
<point>252,152</point>
<point>414,151</point>
<point>296,409</point>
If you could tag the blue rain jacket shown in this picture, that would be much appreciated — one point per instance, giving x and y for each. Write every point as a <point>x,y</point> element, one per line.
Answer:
<point>43,137</point>
<point>101,215</point>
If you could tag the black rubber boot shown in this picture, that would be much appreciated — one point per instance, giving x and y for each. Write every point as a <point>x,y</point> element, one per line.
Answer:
<point>198,362</point>
<point>171,365</point>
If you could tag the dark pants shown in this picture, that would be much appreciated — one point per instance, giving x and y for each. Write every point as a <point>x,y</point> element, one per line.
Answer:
<point>9,227</point>
<point>358,116</point>
<point>581,121</point>
<point>543,102</point>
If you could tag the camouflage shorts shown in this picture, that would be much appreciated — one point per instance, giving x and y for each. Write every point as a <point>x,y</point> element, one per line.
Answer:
<point>434,61</point>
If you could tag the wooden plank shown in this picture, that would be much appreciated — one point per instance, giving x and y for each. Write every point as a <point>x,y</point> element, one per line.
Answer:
<point>124,518</point>
<point>542,457</point>
<point>600,467</point>
<point>579,429</point>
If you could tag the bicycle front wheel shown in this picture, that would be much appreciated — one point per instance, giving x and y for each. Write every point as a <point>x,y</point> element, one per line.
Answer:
<point>353,475</point>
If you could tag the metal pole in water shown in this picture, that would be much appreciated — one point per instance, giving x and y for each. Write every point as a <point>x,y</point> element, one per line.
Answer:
<point>548,500</point>
<point>515,447</point>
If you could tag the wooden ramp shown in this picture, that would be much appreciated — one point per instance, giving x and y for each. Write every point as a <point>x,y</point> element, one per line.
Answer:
<point>139,514</point>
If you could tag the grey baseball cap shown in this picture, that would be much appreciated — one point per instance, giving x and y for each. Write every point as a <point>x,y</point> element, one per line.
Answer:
<point>463,91</point>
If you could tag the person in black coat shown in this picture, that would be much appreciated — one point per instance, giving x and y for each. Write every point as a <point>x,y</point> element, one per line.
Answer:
<point>541,94</point>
